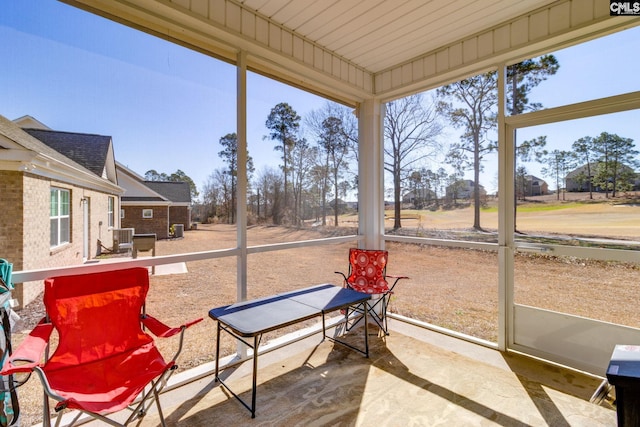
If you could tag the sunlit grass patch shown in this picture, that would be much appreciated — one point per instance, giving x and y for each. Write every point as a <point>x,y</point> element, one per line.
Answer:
<point>544,207</point>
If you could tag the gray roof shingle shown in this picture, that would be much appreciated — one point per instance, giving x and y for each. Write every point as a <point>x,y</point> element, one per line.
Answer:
<point>177,192</point>
<point>18,135</point>
<point>141,199</point>
<point>88,150</point>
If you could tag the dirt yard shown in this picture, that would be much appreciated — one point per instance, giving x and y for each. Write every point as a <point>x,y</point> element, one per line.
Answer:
<point>453,288</point>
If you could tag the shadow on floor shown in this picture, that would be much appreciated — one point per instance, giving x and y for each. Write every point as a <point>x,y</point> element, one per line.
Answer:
<point>404,382</point>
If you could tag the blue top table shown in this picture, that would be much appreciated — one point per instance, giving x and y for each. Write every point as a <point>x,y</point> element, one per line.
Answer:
<point>251,319</point>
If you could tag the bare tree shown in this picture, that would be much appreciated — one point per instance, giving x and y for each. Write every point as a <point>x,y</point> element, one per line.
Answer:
<point>521,183</point>
<point>410,132</point>
<point>584,150</point>
<point>471,105</point>
<point>335,143</point>
<point>521,78</point>
<point>284,122</point>
<point>617,157</point>
<point>270,184</point>
<point>320,183</point>
<point>229,155</point>
<point>303,158</point>
<point>217,194</point>
<point>336,131</point>
<point>315,118</point>
<point>559,164</point>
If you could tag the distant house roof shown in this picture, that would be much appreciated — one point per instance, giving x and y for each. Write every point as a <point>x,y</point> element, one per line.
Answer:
<point>139,191</point>
<point>91,151</point>
<point>177,192</point>
<point>533,178</point>
<point>142,199</point>
<point>468,182</point>
<point>582,170</point>
<point>420,192</point>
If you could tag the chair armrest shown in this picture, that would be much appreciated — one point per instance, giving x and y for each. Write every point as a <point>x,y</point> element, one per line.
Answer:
<point>30,352</point>
<point>389,276</point>
<point>161,330</point>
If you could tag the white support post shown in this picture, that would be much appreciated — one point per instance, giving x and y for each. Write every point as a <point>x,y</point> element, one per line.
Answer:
<point>506,215</point>
<point>241,186</point>
<point>371,173</point>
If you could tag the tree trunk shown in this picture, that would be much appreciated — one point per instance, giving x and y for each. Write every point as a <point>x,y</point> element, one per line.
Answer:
<point>589,181</point>
<point>335,186</point>
<point>476,185</point>
<point>396,199</point>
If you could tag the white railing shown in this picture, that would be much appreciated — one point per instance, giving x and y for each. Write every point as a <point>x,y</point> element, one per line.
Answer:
<point>118,264</point>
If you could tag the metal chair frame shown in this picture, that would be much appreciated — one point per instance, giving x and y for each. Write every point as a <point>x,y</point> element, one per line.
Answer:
<point>354,314</point>
<point>33,353</point>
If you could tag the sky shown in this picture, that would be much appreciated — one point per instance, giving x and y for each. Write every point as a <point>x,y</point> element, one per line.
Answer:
<point>166,107</point>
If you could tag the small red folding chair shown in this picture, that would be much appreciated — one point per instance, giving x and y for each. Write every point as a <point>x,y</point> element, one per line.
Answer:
<point>367,274</point>
<point>104,358</point>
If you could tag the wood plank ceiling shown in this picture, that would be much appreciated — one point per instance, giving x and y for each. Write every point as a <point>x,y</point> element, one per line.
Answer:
<point>380,34</point>
<point>351,50</point>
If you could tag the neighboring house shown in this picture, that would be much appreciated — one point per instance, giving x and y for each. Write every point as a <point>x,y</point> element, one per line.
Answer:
<point>353,205</point>
<point>463,189</point>
<point>532,186</point>
<point>578,179</point>
<point>153,206</point>
<point>342,205</point>
<point>59,197</point>
<point>419,196</point>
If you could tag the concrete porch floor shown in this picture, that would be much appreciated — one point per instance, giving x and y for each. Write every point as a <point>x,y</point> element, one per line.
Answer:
<point>414,377</point>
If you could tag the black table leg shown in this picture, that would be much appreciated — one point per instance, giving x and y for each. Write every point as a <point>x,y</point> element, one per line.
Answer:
<point>324,329</point>
<point>366,331</point>
<point>255,376</point>
<point>217,353</point>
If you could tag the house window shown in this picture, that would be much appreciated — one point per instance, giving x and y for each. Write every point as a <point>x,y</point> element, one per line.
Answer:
<point>121,213</point>
<point>147,213</point>
<point>110,206</point>
<point>59,217</point>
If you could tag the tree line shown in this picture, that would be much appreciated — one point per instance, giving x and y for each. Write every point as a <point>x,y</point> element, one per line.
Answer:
<point>604,163</point>
<point>312,179</point>
<point>313,176</point>
<point>318,153</point>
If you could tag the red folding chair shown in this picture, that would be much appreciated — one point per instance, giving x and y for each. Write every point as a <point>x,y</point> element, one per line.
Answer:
<point>104,358</point>
<point>367,274</point>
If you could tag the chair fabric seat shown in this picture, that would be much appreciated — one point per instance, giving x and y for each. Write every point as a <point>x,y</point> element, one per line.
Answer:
<point>367,271</point>
<point>107,385</point>
<point>103,358</point>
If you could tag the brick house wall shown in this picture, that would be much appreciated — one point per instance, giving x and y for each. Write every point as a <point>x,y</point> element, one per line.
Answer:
<point>25,232</point>
<point>11,219</point>
<point>159,224</point>
<point>36,235</point>
<point>180,215</point>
